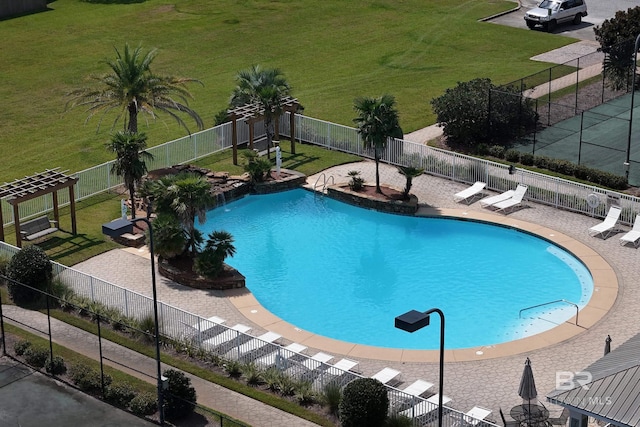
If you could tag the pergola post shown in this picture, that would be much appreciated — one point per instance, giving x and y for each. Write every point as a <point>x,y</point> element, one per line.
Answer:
<point>16,224</point>
<point>234,137</point>
<point>31,187</point>
<point>292,129</point>
<point>72,201</point>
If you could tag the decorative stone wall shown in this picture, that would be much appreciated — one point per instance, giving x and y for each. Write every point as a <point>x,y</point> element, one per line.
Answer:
<point>362,199</point>
<point>234,280</point>
<point>289,180</point>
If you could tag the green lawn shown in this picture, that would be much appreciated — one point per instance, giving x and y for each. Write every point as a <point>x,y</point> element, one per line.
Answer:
<point>330,51</point>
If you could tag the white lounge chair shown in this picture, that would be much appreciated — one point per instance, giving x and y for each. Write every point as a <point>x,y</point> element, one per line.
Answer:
<point>226,336</point>
<point>512,202</point>
<point>342,366</point>
<point>254,344</point>
<point>632,236</point>
<point>317,360</point>
<point>281,355</point>
<point>418,387</point>
<point>386,375</point>
<point>608,226</point>
<point>425,407</point>
<point>488,201</point>
<point>467,195</point>
<point>200,329</point>
<point>475,415</point>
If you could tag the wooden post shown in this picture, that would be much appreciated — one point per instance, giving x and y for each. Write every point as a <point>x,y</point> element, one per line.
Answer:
<point>56,212</point>
<point>16,223</point>
<point>72,201</point>
<point>250,135</point>
<point>1,223</point>
<point>292,129</point>
<point>234,138</point>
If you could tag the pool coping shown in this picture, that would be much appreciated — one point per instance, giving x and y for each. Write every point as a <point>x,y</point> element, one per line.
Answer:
<point>605,292</point>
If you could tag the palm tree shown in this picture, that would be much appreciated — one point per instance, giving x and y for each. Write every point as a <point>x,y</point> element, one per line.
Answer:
<point>264,87</point>
<point>130,160</point>
<point>376,122</point>
<point>190,197</point>
<point>409,172</point>
<point>131,88</point>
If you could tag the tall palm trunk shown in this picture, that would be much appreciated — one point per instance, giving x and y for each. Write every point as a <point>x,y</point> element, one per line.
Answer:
<point>132,193</point>
<point>377,157</point>
<point>133,118</point>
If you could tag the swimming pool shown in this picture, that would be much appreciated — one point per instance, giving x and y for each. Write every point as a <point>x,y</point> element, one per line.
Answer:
<point>345,272</point>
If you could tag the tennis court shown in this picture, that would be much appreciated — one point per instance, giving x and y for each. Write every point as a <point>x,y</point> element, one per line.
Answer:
<point>595,138</point>
<point>30,399</point>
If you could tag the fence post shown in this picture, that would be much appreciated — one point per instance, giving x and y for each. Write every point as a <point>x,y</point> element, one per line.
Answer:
<point>580,143</point>
<point>4,343</point>
<point>577,85</point>
<point>50,335</point>
<point>101,360</point>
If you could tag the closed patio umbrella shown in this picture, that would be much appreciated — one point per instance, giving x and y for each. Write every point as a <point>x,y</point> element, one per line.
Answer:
<point>607,345</point>
<point>527,389</point>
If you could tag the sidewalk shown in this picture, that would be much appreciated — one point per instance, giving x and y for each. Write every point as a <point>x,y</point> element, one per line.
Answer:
<point>210,395</point>
<point>558,56</point>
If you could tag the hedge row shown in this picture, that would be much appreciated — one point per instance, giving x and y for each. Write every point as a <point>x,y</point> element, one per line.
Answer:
<point>564,167</point>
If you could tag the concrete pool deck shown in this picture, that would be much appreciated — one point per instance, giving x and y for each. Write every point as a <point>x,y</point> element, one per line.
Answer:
<point>482,380</point>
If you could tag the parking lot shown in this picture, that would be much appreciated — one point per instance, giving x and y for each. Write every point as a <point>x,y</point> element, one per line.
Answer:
<point>598,12</point>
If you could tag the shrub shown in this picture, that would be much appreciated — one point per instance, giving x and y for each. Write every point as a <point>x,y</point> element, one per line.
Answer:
<point>256,166</point>
<point>541,162</point>
<point>364,403</point>
<point>36,356</point>
<point>31,267</point>
<point>57,367</point>
<point>88,379</point>
<point>233,368</point>
<point>512,156</point>
<point>20,347</point>
<point>526,159</point>
<point>463,112</point>
<point>252,374</point>
<point>143,404</point>
<point>397,420</point>
<point>304,393</point>
<point>120,394</point>
<point>497,151</point>
<point>180,397</point>
<point>331,396</point>
<point>356,183</point>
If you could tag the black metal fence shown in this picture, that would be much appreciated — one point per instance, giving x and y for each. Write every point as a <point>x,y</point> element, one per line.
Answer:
<point>47,345</point>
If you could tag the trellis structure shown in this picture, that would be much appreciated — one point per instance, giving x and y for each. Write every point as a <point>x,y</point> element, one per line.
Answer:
<point>252,113</point>
<point>30,187</point>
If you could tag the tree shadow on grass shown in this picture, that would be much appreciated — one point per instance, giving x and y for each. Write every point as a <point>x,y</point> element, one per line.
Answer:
<point>60,247</point>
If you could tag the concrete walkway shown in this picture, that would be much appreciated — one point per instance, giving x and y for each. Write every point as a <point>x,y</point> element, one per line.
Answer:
<point>488,382</point>
<point>209,395</point>
<point>556,56</point>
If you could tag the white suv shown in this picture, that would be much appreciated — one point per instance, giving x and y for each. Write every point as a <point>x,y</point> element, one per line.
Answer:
<point>549,13</point>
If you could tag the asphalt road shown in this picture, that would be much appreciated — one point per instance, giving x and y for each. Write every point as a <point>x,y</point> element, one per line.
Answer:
<point>598,11</point>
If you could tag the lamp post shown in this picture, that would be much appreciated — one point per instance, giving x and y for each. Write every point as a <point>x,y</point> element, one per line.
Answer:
<point>633,91</point>
<point>413,320</point>
<point>118,228</point>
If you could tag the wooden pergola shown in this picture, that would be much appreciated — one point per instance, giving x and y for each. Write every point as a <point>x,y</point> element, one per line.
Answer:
<point>30,187</point>
<point>252,113</point>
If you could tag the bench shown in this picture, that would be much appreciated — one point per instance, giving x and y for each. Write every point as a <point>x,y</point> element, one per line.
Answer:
<point>36,228</point>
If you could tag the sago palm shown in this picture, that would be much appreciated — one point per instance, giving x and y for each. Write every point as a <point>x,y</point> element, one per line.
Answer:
<point>376,122</point>
<point>131,88</point>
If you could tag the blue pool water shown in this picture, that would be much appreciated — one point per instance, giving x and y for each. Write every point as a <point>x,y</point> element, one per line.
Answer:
<point>345,272</point>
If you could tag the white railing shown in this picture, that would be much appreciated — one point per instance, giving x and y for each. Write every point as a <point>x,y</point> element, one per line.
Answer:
<point>179,324</point>
<point>556,192</point>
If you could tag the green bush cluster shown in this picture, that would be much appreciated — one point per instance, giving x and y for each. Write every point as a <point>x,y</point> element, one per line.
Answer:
<point>120,394</point>
<point>564,167</point>
<point>39,357</point>
<point>364,403</point>
<point>36,356</point>
<point>143,404</point>
<point>180,397</point>
<point>31,267</point>
<point>55,366</point>
<point>88,379</point>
